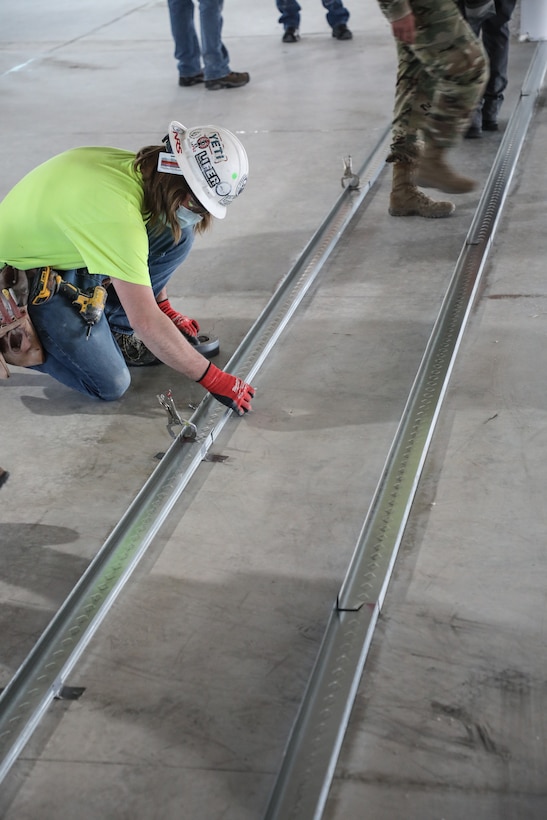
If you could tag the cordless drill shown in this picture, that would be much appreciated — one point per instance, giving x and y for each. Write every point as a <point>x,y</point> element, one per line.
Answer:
<point>90,305</point>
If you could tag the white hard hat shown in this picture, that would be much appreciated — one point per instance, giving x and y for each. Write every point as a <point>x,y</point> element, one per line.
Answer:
<point>214,164</point>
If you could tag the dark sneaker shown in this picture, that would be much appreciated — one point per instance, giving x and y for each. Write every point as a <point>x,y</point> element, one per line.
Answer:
<point>197,78</point>
<point>291,35</point>
<point>342,32</point>
<point>235,79</point>
<point>474,130</point>
<point>135,352</point>
<point>490,113</point>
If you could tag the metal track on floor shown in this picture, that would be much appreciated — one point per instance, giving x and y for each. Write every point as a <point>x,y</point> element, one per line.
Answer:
<point>310,758</point>
<point>42,675</point>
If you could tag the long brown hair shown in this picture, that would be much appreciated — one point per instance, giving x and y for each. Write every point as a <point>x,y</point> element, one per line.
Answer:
<point>163,192</point>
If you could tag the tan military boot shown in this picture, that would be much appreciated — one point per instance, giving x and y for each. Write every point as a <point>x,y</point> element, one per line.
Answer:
<point>407,200</point>
<point>433,172</point>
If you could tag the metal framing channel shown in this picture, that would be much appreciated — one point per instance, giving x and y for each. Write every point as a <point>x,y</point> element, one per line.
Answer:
<point>43,673</point>
<point>303,783</point>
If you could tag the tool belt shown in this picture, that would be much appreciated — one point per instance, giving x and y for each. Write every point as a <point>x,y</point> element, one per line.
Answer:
<point>19,342</point>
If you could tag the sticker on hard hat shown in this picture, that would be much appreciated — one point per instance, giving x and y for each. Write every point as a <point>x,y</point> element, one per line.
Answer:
<point>206,167</point>
<point>241,186</point>
<point>167,164</point>
<point>213,143</point>
<point>177,133</point>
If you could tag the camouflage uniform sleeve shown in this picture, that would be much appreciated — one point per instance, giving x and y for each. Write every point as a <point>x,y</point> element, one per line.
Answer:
<point>395,9</point>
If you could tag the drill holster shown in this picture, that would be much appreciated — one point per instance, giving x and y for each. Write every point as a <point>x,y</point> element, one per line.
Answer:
<point>19,342</point>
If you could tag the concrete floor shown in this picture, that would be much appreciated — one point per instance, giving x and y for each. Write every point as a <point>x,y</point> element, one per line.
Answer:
<point>193,682</point>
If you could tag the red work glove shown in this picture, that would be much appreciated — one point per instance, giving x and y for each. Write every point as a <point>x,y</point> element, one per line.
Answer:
<point>228,389</point>
<point>186,325</point>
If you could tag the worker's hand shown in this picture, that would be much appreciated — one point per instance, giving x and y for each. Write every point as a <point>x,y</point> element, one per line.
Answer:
<point>227,389</point>
<point>186,325</point>
<point>404,29</point>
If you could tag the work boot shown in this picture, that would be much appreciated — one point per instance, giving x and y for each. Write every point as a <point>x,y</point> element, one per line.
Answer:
<point>490,114</point>
<point>193,80</point>
<point>433,172</point>
<point>407,200</point>
<point>235,79</point>
<point>291,35</point>
<point>135,352</point>
<point>341,32</point>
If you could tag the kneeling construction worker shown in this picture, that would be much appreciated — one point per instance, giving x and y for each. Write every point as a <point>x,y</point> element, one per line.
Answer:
<point>98,232</point>
<point>441,74</point>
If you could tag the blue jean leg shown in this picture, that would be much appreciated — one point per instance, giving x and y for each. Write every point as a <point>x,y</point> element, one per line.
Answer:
<point>337,13</point>
<point>188,53</point>
<point>187,48</point>
<point>164,257</point>
<point>216,60</point>
<point>92,364</point>
<point>290,13</point>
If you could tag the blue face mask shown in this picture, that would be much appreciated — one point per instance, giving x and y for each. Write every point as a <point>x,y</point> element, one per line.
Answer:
<point>187,218</point>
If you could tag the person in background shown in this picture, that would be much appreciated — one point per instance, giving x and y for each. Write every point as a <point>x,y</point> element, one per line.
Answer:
<point>337,18</point>
<point>490,20</point>
<point>441,74</point>
<point>98,220</point>
<point>209,62</point>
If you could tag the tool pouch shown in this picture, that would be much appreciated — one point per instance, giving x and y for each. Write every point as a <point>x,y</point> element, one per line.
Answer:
<point>19,342</point>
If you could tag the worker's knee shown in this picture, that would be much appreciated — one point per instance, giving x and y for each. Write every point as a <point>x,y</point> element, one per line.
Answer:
<point>114,388</point>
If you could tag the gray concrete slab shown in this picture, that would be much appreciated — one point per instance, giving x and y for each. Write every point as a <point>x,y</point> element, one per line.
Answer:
<point>192,684</point>
<point>450,718</point>
<point>231,274</point>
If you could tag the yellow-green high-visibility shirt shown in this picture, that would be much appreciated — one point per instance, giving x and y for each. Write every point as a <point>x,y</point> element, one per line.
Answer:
<point>80,209</point>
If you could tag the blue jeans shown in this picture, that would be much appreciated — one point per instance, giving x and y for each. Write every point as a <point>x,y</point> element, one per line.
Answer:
<point>290,13</point>
<point>188,52</point>
<point>94,364</point>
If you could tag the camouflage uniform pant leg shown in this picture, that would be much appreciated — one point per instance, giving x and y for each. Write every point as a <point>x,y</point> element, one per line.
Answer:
<point>440,79</point>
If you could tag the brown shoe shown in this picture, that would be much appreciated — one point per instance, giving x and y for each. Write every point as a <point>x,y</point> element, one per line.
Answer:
<point>406,200</point>
<point>433,172</point>
<point>194,80</point>
<point>235,79</point>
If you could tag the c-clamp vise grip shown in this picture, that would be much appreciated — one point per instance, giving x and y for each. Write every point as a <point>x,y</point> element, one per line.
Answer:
<point>189,430</point>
